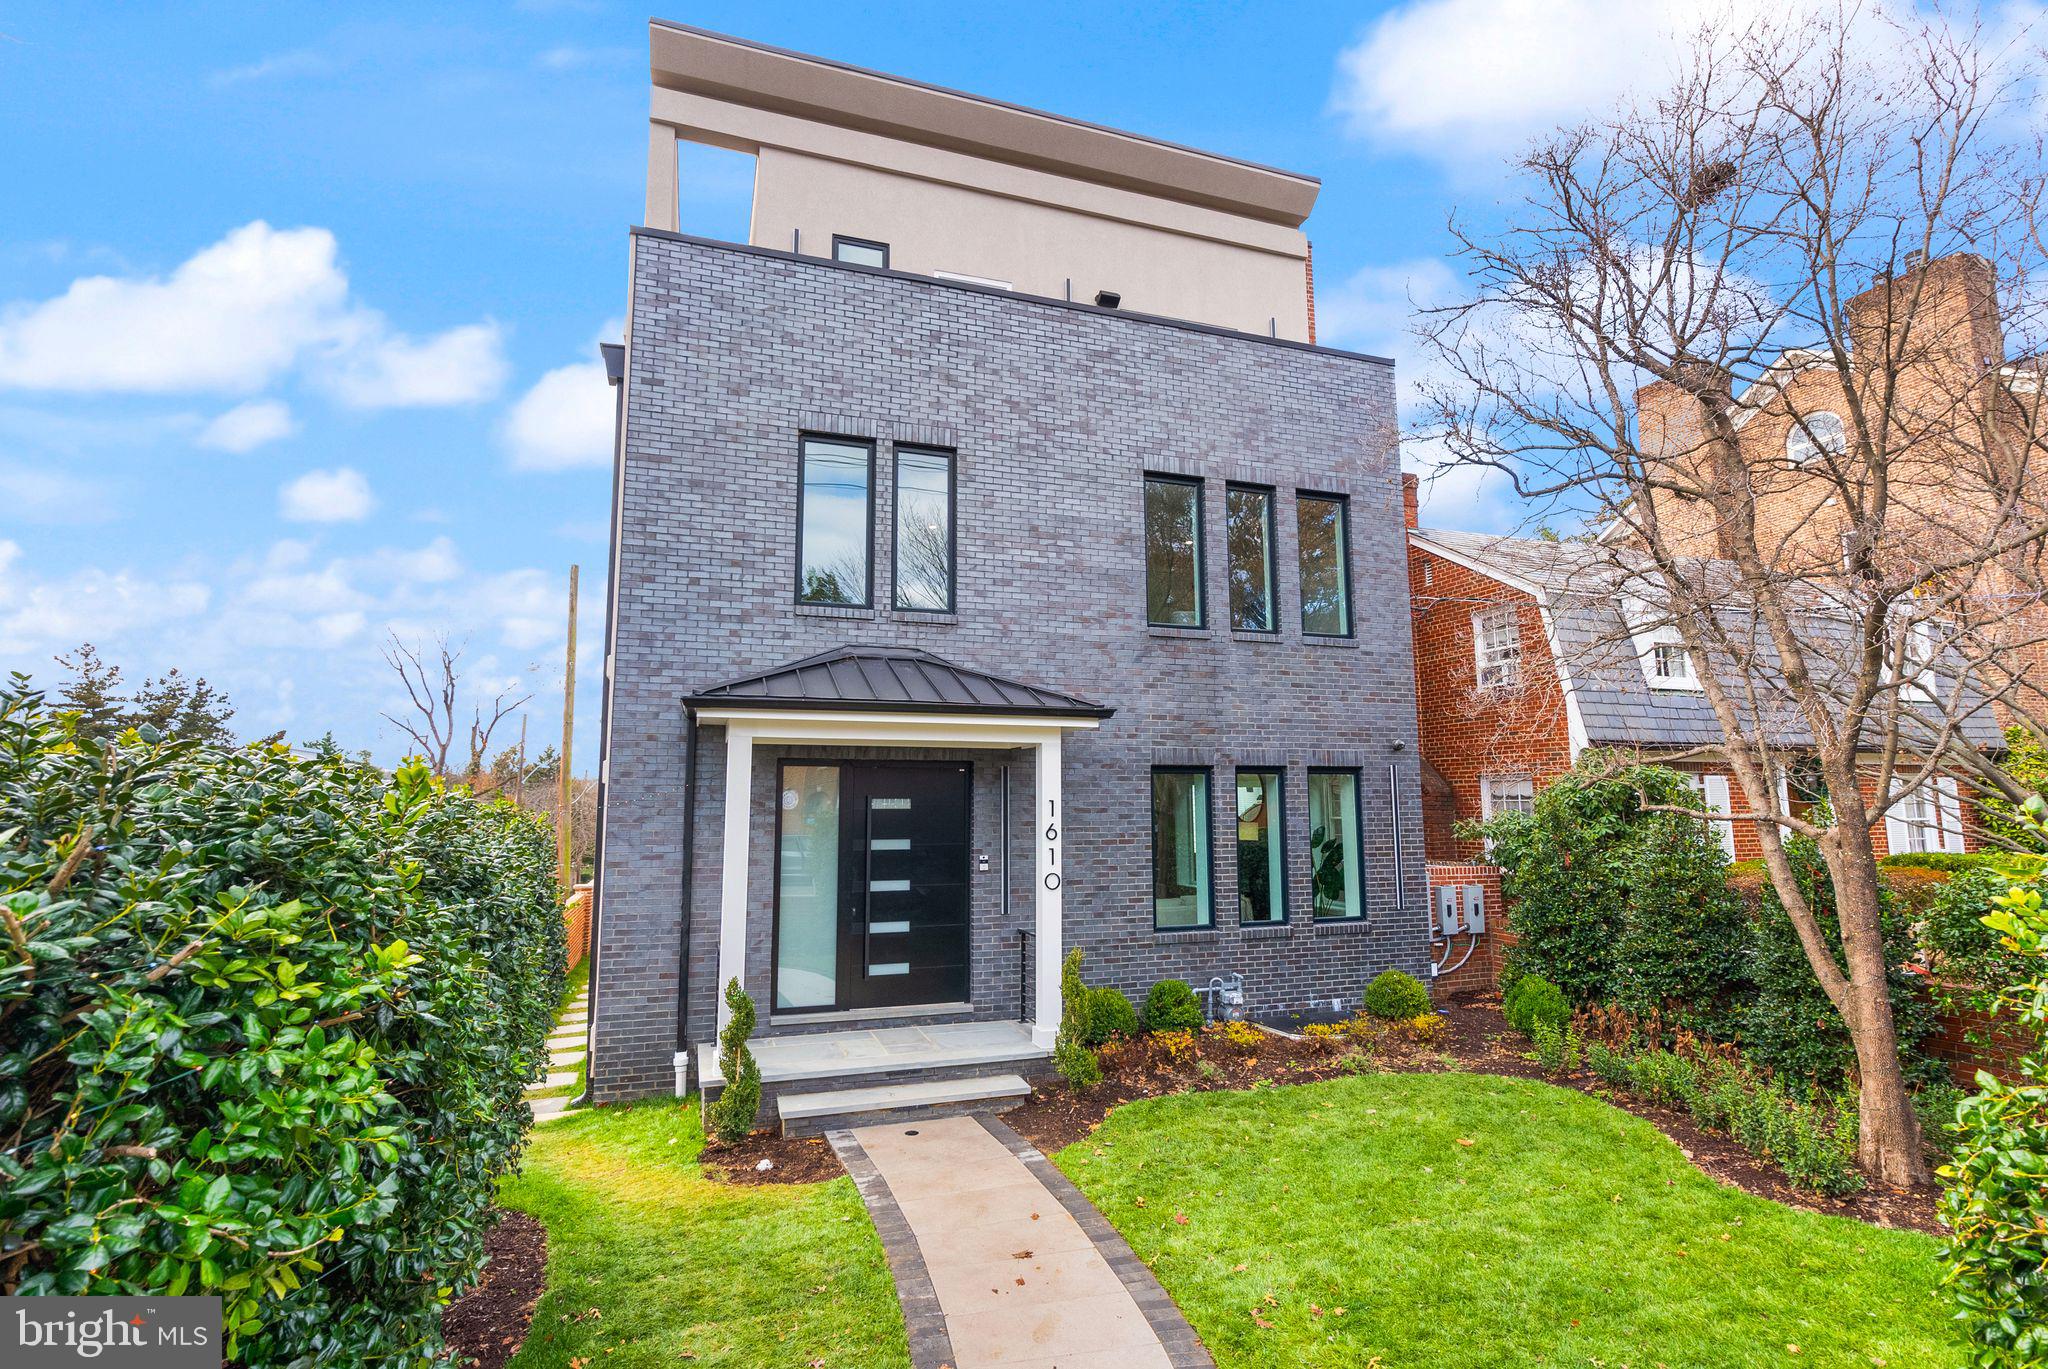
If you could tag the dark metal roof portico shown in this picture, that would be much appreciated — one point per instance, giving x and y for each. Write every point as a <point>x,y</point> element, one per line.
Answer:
<point>884,679</point>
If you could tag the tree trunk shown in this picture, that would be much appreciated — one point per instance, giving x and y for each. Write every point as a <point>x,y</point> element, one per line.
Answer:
<point>1888,1130</point>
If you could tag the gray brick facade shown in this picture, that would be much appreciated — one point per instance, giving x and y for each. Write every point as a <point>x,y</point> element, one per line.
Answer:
<point>1055,412</point>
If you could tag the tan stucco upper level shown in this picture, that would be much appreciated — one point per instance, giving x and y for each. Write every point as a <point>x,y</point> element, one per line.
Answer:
<point>961,185</point>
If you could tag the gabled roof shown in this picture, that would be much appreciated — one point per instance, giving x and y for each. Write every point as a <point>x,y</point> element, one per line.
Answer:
<point>892,679</point>
<point>1586,592</point>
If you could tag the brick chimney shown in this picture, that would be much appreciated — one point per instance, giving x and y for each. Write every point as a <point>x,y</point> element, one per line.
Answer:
<point>1953,301</point>
<point>1411,498</point>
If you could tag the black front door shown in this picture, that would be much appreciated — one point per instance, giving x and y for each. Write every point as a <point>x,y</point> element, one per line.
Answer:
<point>903,880</point>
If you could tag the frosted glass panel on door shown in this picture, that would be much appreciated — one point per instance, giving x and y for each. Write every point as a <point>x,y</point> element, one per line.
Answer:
<point>807,901</point>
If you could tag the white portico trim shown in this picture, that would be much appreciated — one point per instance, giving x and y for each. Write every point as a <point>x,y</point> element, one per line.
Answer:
<point>746,728</point>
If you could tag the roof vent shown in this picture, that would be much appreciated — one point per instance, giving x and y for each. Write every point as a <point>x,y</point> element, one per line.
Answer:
<point>1108,299</point>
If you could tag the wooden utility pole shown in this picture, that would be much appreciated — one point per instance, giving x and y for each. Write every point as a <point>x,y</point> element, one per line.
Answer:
<point>564,821</point>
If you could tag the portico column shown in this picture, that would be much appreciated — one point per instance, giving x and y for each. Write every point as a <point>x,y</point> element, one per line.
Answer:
<point>1048,828</point>
<point>732,903</point>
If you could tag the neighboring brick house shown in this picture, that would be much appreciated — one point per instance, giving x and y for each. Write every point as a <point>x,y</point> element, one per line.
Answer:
<point>954,625</point>
<point>1525,658</point>
<point>1965,429</point>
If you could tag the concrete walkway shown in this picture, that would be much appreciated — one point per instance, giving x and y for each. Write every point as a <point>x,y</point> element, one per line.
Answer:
<point>1000,1262</point>
<point>566,1046</point>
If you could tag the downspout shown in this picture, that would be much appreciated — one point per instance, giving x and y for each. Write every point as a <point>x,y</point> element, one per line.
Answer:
<point>614,354</point>
<point>689,864</point>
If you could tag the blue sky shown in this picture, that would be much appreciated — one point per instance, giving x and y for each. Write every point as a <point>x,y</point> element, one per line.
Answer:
<point>298,304</point>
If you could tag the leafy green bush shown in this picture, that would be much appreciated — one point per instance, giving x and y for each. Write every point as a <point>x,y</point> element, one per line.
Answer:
<point>1790,1026</point>
<point>267,1022</point>
<point>1557,1047</point>
<point>1684,933</point>
<point>1996,1202</point>
<point>731,1114</point>
<point>1172,1007</point>
<point>1070,1053</point>
<point>1609,1066</point>
<point>1562,869</point>
<point>1973,963</point>
<point>1109,1014</point>
<point>2022,863</point>
<point>1395,996</point>
<point>1535,1000</point>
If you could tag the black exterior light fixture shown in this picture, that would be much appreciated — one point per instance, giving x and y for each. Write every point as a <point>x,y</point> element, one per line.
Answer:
<point>1107,299</point>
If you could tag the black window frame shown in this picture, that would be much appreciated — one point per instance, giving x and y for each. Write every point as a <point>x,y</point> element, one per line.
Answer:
<point>1358,824</point>
<point>1200,488</point>
<point>882,247</point>
<point>1208,924</point>
<point>1272,498</point>
<point>804,438</point>
<point>952,456</point>
<point>1276,831</point>
<point>1343,503</point>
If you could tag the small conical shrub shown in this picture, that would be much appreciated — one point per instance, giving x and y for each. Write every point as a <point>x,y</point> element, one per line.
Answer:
<point>732,1113</point>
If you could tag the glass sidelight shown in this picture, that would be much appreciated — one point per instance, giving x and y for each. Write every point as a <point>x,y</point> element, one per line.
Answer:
<point>807,888</point>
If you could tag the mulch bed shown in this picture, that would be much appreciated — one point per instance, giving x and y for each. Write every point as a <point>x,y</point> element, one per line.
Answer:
<point>487,1325</point>
<point>1479,1040</point>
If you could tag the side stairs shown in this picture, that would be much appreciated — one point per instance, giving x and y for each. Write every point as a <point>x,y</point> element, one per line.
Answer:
<point>813,1114</point>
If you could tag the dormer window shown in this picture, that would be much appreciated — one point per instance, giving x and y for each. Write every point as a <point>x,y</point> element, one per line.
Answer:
<point>1497,645</point>
<point>1814,434</point>
<point>1671,666</point>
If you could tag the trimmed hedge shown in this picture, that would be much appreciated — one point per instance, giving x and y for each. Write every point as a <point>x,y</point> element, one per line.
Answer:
<point>1110,1014</point>
<point>1535,1002</point>
<point>267,1022</point>
<point>1171,1006</point>
<point>1396,996</point>
<point>2021,863</point>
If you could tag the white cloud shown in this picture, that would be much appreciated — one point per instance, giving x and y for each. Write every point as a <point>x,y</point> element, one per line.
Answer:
<point>234,318</point>
<point>276,67</point>
<point>246,427</point>
<point>564,421</point>
<point>90,605</point>
<point>461,366</point>
<point>10,552</point>
<point>341,495</point>
<point>1473,81</point>
<point>48,494</point>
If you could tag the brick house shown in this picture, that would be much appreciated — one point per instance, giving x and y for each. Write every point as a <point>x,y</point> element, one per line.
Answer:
<point>998,568</point>
<point>1526,657</point>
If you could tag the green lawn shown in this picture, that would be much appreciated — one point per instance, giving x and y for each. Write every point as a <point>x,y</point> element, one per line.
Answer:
<point>648,1261</point>
<point>1567,1233</point>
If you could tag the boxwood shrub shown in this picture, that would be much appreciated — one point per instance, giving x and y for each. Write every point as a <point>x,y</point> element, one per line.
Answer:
<point>265,1022</point>
<point>1171,1006</point>
<point>1110,1014</point>
<point>1396,996</point>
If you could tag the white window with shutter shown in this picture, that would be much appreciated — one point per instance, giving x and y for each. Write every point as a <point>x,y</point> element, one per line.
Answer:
<point>1497,645</point>
<point>1928,819</point>
<point>1714,790</point>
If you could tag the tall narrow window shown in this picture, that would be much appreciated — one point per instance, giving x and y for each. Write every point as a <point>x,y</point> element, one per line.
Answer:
<point>1334,869</point>
<point>807,888</point>
<point>1325,543</point>
<point>1261,859</point>
<point>859,251</point>
<point>924,530</point>
<point>1248,540</point>
<point>1173,551</point>
<point>834,512</point>
<point>1180,849</point>
<point>1497,645</point>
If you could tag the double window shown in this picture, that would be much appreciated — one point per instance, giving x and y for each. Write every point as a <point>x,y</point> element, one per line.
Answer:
<point>835,523</point>
<point>1497,645</point>
<point>1180,849</point>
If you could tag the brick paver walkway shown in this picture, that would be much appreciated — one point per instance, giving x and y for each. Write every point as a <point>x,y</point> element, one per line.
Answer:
<point>1000,1262</point>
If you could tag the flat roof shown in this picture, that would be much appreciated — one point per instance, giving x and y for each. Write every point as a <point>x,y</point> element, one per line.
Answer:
<point>723,67</point>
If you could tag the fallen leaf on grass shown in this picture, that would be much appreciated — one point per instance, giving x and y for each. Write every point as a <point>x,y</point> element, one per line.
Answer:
<point>1180,1219</point>
<point>1463,1142</point>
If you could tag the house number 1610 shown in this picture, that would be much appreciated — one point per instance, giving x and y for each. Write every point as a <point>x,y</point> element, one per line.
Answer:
<point>1052,843</point>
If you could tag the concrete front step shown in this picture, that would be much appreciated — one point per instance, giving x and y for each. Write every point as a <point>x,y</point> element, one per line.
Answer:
<point>812,1114</point>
